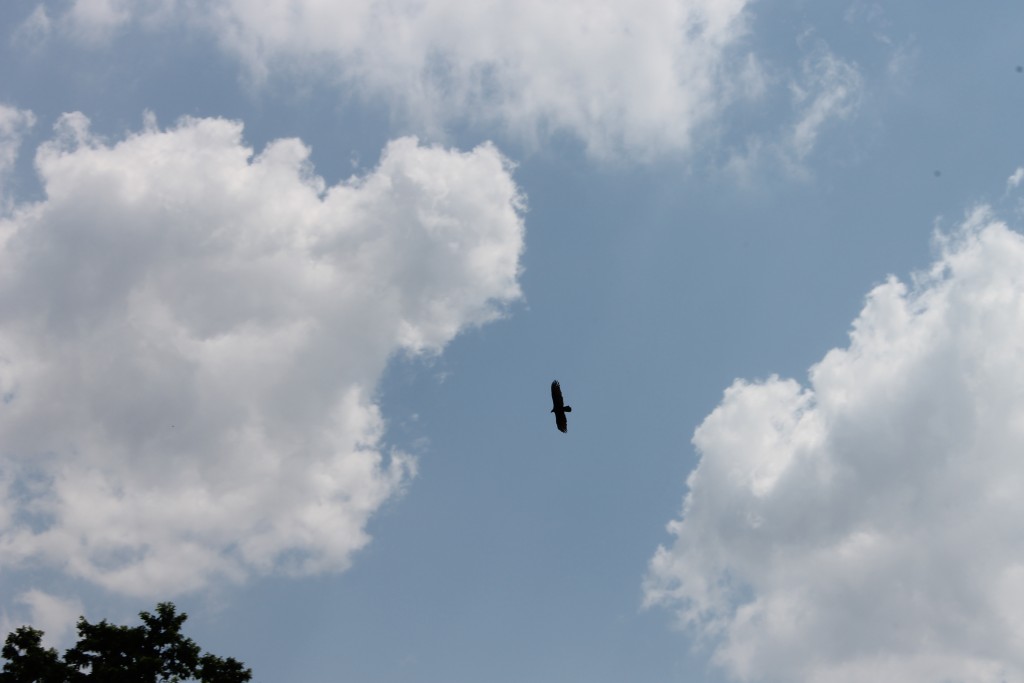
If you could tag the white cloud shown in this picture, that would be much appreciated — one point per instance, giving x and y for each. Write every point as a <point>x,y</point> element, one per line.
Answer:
<point>868,526</point>
<point>53,615</point>
<point>635,78</point>
<point>1016,179</point>
<point>190,337</point>
<point>827,90</point>
<point>34,30</point>
<point>95,20</point>
<point>871,15</point>
<point>13,125</point>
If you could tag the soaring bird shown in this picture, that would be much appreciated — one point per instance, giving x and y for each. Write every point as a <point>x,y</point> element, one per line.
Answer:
<point>559,409</point>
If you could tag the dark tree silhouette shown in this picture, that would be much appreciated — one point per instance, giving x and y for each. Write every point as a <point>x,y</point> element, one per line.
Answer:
<point>155,652</point>
<point>559,409</point>
<point>28,661</point>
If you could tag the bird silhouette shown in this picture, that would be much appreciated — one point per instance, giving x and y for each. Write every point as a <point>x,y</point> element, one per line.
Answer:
<point>559,409</point>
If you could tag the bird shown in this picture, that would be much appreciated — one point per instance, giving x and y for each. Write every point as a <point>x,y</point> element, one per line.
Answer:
<point>559,409</point>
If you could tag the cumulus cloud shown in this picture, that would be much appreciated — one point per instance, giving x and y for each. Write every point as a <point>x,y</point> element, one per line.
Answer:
<point>636,78</point>
<point>868,526</point>
<point>191,335</point>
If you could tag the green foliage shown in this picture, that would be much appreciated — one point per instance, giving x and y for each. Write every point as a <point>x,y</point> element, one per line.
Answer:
<point>154,652</point>
<point>27,660</point>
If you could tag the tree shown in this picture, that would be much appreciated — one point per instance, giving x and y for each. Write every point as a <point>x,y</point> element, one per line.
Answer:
<point>154,652</point>
<point>28,661</point>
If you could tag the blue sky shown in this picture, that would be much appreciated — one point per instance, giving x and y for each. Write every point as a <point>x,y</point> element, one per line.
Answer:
<point>284,285</point>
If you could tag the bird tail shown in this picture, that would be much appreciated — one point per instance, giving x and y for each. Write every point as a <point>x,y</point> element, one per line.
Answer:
<point>568,409</point>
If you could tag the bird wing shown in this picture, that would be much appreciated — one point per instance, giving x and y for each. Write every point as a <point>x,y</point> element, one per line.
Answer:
<point>556,396</point>
<point>561,422</point>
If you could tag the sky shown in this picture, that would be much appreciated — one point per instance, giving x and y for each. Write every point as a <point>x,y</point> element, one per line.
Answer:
<point>283,287</point>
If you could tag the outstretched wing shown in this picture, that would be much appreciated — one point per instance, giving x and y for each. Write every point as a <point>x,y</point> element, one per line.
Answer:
<point>559,407</point>
<point>556,398</point>
<point>561,422</point>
